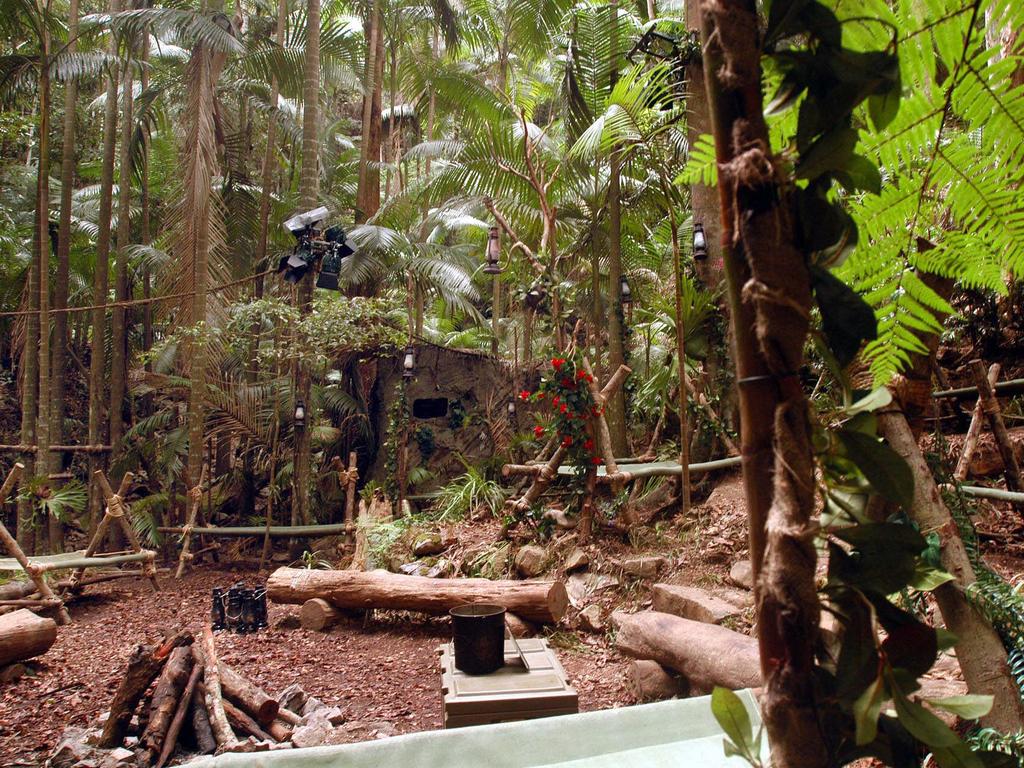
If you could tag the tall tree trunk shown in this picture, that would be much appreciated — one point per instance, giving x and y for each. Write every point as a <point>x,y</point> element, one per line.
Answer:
<point>770,299</point>
<point>97,361</point>
<point>41,246</point>
<point>59,356</point>
<point>309,186</point>
<point>146,233</point>
<point>371,87</point>
<point>703,199</point>
<point>119,315</point>
<point>615,410</point>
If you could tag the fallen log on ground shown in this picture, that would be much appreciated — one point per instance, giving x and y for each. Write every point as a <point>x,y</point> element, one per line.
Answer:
<point>248,696</point>
<point>16,590</point>
<point>170,687</point>
<point>145,664</point>
<point>705,654</point>
<point>543,602</point>
<point>24,635</point>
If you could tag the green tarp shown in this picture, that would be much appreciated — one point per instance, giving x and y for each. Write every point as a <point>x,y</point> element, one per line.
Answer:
<point>679,733</point>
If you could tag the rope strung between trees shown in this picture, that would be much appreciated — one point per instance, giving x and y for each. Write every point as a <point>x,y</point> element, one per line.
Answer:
<point>139,302</point>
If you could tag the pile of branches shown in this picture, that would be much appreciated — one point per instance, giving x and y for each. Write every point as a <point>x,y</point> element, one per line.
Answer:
<point>190,703</point>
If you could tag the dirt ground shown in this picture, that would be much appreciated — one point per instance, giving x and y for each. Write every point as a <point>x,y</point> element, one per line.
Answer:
<point>386,668</point>
<point>383,670</point>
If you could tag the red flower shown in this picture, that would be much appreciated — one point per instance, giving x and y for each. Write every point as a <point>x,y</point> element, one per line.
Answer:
<point>588,445</point>
<point>567,383</point>
<point>597,460</point>
<point>590,378</point>
<point>581,374</point>
<point>564,408</point>
<point>554,402</point>
<point>557,362</point>
<point>524,395</point>
<point>541,395</point>
<point>566,441</point>
<point>538,431</point>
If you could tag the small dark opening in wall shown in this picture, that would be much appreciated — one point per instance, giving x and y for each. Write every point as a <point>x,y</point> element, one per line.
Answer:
<point>430,408</point>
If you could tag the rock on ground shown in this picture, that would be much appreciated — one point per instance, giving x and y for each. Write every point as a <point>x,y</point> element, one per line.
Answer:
<point>590,619</point>
<point>742,574</point>
<point>691,603</point>
<point>428,544</point>
<point>643,567</point>
<point>576,561</point>
<point>649,681</point>
<point>530,560</point>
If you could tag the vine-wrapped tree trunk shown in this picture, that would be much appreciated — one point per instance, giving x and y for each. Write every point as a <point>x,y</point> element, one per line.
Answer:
<point>770,300</point>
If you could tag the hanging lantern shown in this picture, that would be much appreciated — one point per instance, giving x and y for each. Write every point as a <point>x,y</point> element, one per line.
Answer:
<point>409,363</point>
<point>700,243</point>
<point>493,252</point>
<point>626,295</point>
<point>300,414</point>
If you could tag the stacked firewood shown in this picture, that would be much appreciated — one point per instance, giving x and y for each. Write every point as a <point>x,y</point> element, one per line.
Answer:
<point>198,704</point>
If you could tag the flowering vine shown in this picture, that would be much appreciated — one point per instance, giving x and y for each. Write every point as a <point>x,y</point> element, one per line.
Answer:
<point>565,392</point>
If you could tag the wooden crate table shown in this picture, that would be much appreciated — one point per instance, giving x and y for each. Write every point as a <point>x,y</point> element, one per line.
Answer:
<point>511,692</point>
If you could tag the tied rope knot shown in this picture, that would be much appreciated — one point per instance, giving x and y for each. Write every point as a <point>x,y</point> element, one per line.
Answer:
<point>115,505</point>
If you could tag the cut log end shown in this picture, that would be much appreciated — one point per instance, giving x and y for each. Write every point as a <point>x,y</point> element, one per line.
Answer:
<point>24,635</point>
<point>319,615</point>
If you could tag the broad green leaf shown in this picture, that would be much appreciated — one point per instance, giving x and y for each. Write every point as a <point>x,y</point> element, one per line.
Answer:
<point>857,665</point>
<point>877,398</point>
<point>846,318</point>
<point>882,562</point>
<point>885,469</point>
<point>830,152</point>
<point>969,707</point>
<point>926,578</point>
<point>866,710</point>
<point>911,646</point>
<point>923,724</point>
<point>730,713</point>
<point>957,756</point>
<point>784,98</point>
<point>781,15</point>
<point>882,107</point>
<point>860,173</point>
